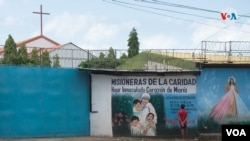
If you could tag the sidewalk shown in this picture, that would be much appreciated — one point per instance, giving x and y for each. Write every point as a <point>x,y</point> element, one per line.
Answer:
<point>95,139</point>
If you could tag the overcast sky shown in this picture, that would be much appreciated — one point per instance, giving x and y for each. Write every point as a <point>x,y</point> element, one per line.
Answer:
<point>100,24</point>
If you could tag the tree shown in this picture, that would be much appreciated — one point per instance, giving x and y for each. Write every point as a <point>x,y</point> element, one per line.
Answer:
<point>22,56</point>
<point>56,62</point>
<point>108,61</point>
<point>45,60</point>
<point>123,58</point>
<point>133,44</point>
<point>10,51</point>
<point>101,56</point>
<point>85,64</point>
<point>111,58</point>
<point>34,59</point>
<point>100,62</point>
<point>111,54</point>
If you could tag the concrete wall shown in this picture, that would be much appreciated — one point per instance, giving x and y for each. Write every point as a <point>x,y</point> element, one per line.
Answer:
<point>112,103</point>
<point>43,102</point>
<point>211,92</point>
<point>49,102</point>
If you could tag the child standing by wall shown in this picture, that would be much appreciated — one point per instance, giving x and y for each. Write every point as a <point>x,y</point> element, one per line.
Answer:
<point>183,115</point>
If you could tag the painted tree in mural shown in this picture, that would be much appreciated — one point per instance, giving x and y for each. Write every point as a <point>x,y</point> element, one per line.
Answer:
<point>34,59</point>
<point>22,56</point>
<point>56,63</point>
<point>10,51</point>
<point>121,113</point>
<point>133,43</point>
<point>45,60</point>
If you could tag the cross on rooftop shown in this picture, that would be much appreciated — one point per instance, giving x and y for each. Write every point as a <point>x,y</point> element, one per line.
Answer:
<point>41,17</point>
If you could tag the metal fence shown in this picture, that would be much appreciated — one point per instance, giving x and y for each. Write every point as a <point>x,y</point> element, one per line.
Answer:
<point>237,52</point>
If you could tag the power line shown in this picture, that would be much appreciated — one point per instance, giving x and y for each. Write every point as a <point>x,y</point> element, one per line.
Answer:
<point>190,7</point>
<point>177,5</point>
<point>172,11</point>
<point>147,11</point>
<point>184,6</point>
<point>116,2</point>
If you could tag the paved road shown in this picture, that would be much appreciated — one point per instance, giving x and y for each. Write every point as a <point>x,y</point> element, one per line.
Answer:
<point>95,139</point>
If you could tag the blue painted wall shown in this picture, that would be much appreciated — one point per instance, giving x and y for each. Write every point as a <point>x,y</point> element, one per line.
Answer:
<point>50,102</point>
<point>210,91</point>
<point>43,102</point>
<point>211,84</point>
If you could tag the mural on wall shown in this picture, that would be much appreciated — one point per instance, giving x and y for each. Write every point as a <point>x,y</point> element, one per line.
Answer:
<point>223,98</point>
<point>148,106</point>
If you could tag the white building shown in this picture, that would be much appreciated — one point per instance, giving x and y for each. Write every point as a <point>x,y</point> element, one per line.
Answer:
<point>70,55</point>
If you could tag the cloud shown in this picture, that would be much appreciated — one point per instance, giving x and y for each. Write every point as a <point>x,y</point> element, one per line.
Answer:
<point>237,33</point>
<point>12,21</point>
<point>101,31</point>
<point>220,32</point>
<point>67,25</point>
<point>1,2</point>
<point>95,47</point>
<point>87,29</point>
<point>158,42</point>
<point>204,32</point>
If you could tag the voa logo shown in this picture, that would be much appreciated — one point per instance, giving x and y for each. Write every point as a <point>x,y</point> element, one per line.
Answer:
<point>236,132</point>
<point>228,15</point>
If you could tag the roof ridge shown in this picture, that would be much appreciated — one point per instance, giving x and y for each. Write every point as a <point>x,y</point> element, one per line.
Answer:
<point>20,43</point>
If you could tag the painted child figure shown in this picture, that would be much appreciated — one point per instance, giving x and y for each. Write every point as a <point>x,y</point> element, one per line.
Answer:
<point>136,127</point>
<point>137,111</point>
<point>149,126</point>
